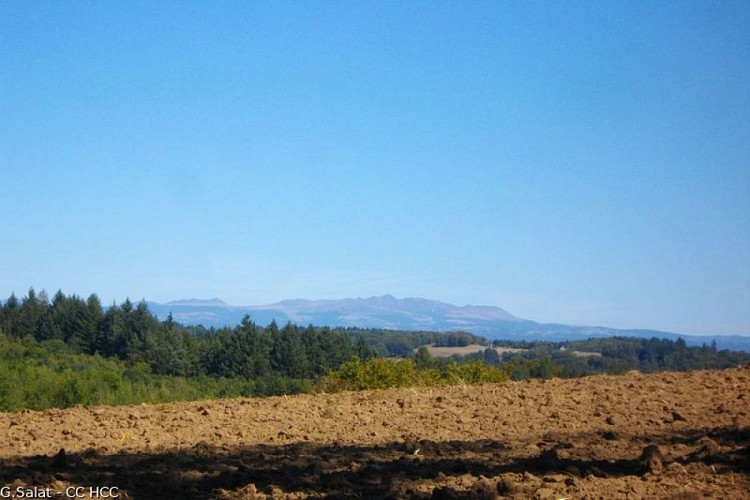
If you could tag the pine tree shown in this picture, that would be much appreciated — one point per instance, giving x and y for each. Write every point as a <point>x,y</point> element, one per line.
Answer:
<point>32,312</point>
<point>10,316</point>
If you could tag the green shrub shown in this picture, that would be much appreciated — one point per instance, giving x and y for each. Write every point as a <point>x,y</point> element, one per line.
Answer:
<point>37,375</point>
<point>378,373</point>
<point>375,373</point>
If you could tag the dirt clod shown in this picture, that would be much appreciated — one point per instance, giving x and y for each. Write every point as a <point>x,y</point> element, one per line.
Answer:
<point>677,417</point>
<point>507,487</point>
<point>60,460</point>
<point>652,459</point>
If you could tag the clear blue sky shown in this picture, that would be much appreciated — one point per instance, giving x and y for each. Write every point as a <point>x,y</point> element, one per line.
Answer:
<point>579,162</point>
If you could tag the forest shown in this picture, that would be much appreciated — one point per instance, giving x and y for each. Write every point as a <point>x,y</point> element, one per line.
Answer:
<point>68,350</point>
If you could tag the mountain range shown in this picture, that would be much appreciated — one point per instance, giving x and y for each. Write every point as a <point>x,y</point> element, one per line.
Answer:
<point>388,312</point>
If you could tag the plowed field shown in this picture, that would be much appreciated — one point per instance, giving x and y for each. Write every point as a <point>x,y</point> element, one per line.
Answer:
<point>669,435</point>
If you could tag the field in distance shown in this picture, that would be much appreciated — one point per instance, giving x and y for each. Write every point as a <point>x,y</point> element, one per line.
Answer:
<point>447,352</point>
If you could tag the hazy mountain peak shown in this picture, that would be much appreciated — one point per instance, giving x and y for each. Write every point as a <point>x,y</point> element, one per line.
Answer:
<point>387,311</point>
<point>214,302</point>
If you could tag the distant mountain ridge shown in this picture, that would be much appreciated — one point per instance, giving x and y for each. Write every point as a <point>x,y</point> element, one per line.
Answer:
<point>199,302</point>
<point>385,311</point>
<point>388,312</point>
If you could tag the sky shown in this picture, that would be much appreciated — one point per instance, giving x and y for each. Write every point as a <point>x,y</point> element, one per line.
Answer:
<point>573,162</point>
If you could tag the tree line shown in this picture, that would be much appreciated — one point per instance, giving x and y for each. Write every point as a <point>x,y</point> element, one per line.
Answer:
<point>611,355</point>
<point>68,350</point>
<point>131,333</point>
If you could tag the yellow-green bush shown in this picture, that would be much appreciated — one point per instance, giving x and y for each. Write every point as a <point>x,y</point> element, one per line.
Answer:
<point>373,374</point>
<point>473,373</point>
<point>357,375</point>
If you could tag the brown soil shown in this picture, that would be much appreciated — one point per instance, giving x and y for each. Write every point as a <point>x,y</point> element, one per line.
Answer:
<point>635,436</point>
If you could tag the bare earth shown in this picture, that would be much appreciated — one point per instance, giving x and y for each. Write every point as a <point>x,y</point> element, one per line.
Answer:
<point>635,436</point>
<point>447,352</point>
